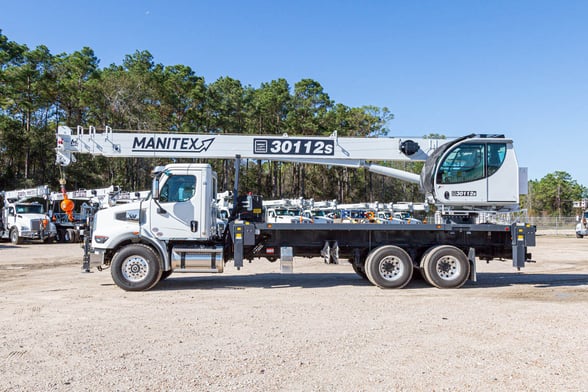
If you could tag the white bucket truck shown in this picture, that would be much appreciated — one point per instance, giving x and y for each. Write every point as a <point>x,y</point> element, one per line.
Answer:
<point>24,219</point>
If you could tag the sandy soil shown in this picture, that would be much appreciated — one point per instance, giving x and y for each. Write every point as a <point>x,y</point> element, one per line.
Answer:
<point>321,328</point>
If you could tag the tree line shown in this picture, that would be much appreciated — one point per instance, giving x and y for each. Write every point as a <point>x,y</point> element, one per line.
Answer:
<point>40,90</point>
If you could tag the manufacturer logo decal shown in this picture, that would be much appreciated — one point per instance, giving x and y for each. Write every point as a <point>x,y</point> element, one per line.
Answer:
<point>174,144</point>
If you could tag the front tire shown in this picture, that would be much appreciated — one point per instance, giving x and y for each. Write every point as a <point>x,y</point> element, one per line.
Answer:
<point>578,235</point>
<point>135,267</point>
<point>445,267</point>
<point>389,267</point>
<point>14,238</point>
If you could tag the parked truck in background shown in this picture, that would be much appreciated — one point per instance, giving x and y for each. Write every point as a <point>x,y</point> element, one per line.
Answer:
<point>72,229</point>
<point>23,216</point>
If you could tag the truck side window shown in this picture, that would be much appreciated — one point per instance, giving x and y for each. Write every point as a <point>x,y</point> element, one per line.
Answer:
<point>178,188</point>
<point>465,163</point>
<point>496,155</point>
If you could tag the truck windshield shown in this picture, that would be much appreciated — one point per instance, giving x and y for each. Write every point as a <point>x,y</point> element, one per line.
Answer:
<point>471,162</point>
<point>29,209</point>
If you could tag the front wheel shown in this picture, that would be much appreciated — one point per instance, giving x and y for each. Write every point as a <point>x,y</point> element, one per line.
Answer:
<point>578,235</point>
<point>389,267</point>
<point>135,267</point>
<point>445,267</point>
<point>14,238</point>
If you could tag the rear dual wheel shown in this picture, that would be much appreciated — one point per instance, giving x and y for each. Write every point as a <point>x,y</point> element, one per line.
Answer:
<point>68,235</point>
<point>445,267</point>
<point>389,267</point>
<point>71,236</point>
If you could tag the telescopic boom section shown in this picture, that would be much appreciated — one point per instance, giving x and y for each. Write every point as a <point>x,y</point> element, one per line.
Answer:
<point>473,171</point>
<point>331,150</point>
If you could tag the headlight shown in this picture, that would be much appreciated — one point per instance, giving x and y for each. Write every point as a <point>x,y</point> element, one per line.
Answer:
<point>100,239</point>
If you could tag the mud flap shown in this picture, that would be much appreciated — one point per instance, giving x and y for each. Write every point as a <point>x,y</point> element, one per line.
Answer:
<point>472,260</point>
<point>330,254</point>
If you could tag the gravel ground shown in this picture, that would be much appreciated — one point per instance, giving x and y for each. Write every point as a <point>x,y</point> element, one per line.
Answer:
<point>321,328</point>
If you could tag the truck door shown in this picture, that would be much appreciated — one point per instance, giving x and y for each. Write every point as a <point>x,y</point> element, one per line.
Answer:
<point>178,215</point>
<point>503,182</point>
<point>473,173</point>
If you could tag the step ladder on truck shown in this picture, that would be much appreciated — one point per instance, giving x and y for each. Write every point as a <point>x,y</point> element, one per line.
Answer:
<point>175,228</point>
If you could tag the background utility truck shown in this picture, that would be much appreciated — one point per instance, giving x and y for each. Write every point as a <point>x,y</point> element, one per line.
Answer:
<point>72,229</point>
<point>22,219</point>
<point>175,230</point>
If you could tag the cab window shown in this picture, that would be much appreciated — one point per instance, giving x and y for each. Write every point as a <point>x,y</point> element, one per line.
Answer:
<point>496,155</point>
<point>464,163</point>
<point>178,189</point>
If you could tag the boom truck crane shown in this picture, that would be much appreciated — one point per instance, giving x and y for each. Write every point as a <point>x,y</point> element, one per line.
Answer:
<point>22,217</point>
<point>81,203</point>
<point>175,230</point>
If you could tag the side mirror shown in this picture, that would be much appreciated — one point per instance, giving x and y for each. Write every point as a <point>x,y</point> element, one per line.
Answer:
<point>155,189</point>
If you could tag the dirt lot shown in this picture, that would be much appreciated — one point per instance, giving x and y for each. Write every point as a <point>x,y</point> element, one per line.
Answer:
<point>321,328</point>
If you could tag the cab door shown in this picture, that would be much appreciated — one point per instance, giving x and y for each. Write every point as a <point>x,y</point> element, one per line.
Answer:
<point>503,179</point>
<point>177,213</point>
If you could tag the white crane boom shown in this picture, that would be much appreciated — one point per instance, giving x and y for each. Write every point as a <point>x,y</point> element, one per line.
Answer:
<point>20,194</point>
<point>476,171</point>
<point>325,150</point>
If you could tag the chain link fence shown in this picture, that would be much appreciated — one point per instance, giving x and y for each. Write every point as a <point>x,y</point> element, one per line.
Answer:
<point>563,225</point>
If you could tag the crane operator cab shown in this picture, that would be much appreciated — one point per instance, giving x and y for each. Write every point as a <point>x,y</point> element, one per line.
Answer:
<point>474,172</point>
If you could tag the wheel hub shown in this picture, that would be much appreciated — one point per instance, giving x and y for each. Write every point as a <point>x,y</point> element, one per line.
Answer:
<point>135,268</point>
<point>448,267</point>
<point>390,268</point>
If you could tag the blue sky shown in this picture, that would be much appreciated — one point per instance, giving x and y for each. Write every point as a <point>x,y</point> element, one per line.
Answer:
<point>454,67</point>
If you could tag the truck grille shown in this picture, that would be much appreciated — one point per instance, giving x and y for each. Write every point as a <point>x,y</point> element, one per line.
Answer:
<point>36,224</point>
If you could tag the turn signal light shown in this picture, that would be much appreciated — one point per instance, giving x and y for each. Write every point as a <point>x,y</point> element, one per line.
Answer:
<point>100,238</point>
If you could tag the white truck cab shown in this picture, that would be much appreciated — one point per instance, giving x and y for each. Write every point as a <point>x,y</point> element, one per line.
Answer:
<point>317,216</point>
<point>286,215</point>
<point>22,221</point>
<point>183,208</point>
